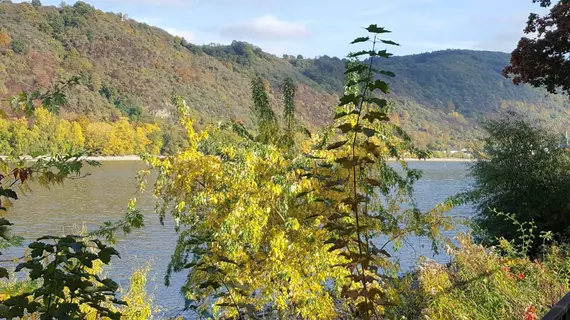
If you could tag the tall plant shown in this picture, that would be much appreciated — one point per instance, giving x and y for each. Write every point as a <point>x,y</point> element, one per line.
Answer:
<point>296,236</point>
<point>289,91</point>
<point>359,194</point>
<point>265,117</point>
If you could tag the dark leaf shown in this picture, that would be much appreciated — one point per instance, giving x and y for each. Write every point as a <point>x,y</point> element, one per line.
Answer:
<point>369,132</point>
<point>347,162</point>
<point>376,115</point>
<point>376,29</point>
<point>357,68</point>
<point>373,182</point>
<point>337,145</point>
<point>8,193</point>
<point>390,42</point>
<point>3,273</point>
<point>345,127</point>
<point>350,98</point>
<point>359,40</point>
<point>380,85</point>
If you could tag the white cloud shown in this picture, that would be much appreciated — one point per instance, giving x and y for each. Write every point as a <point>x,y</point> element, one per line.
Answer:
<point>267,27</point>
<point>188,35</point>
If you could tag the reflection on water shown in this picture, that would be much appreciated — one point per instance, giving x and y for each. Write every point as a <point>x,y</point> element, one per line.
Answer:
<point>104,195</point>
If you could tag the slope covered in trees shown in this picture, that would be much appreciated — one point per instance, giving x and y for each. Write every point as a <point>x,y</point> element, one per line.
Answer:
<point>132,70</point>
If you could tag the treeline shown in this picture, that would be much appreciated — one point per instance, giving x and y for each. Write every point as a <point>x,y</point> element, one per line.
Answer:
<point>45,133</point>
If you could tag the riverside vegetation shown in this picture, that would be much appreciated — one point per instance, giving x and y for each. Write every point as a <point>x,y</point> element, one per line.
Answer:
<point>283,222</point>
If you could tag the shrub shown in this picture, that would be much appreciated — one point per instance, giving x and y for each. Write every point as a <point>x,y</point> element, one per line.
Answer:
<point>482,283</point>
<point>525,173</point>
<point>19,46</point>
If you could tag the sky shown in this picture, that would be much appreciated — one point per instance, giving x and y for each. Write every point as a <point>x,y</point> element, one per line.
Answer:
<point>326,27</point>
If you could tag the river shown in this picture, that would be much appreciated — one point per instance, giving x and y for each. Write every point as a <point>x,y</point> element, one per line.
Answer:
<point>104,195</point>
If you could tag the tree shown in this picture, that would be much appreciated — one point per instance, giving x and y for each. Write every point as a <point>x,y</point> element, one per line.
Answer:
<point>121,139</point>
<point>97,136</point>
<point>525,173</point>
<point>289,90</point>
<point>36,3</point>
<point>5,137</point>
<point>267,126</point>
<point>542,61</point>
<point>19,46</point>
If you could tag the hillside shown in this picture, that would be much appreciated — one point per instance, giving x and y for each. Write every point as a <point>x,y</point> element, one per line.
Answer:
<point>132,68</point>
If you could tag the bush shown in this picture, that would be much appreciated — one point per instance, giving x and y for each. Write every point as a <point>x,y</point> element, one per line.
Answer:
<point>482,283</point>
<point>19,46</point>
<point>524,172</point>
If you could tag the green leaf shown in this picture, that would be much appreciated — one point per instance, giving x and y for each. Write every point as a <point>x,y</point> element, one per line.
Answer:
<point>345,127</point>
<point>376,115</point>
<point>359,40</point>
<point>350,98</point>
<point>347,162</point>
<point>376,29</point>
<point>380,85</point>
<point>386,73</point>
<point>210,283</point>
<point>390,42</point>
<point>336,145</point>
<point>4,273</point>
<point>381,53</point>
<point>8,193</point>
<point>340,115</point>
<point>361,53</point>
<point>5,222</point>
<point>377,101</point>
<point>109,283</point>
<point>105,254</point>
<point>373,182</point>
<point>357,68</point>
<point>369,132</point>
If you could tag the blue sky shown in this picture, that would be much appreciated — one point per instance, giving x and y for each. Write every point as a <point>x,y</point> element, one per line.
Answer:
<point>319,27</point>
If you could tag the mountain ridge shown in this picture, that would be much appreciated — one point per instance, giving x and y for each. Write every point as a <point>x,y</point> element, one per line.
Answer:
<point>132,67</point>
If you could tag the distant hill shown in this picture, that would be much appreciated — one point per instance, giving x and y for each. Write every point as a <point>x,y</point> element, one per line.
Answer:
<point>132,67</point>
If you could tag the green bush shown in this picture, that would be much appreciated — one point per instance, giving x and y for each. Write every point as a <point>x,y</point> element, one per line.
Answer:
<point>19,46</point>
<point>482,283</point>
<point>525,173</point>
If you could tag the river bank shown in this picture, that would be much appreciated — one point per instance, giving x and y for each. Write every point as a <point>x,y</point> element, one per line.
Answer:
<point>137,158</point>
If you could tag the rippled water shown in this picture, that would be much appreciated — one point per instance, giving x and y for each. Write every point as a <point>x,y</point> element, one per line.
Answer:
<point>104,195</point>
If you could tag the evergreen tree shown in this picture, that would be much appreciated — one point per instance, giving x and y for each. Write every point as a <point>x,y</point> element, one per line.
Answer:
<point>264,115</point>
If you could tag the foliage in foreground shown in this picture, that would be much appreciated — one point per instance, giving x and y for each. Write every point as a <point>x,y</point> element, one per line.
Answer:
<point>263,231</point>
<point>61,282</point>
<point>481,283</point>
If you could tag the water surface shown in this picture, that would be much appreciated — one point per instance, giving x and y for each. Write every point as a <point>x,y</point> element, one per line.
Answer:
<point>104,195</point>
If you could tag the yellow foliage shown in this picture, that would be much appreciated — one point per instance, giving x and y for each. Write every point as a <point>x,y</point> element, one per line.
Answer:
<point>97,135</point>
<point>147,139</point>
<point>5,40</point>
<point>121,139</point>
<point>139,305</point>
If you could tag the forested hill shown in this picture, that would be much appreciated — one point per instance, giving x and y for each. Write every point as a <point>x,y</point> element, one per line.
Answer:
<point>133,69</point>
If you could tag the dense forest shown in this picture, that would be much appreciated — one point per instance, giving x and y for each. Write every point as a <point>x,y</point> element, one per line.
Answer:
<point>131,70</point>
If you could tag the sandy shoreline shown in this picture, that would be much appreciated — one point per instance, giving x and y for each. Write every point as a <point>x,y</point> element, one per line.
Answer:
<point>137,158</point>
